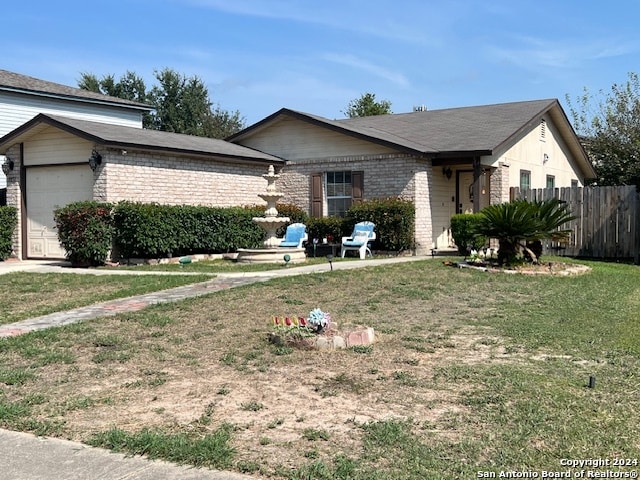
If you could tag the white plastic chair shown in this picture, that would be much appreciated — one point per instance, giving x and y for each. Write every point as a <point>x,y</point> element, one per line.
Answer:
<point>359,240</point>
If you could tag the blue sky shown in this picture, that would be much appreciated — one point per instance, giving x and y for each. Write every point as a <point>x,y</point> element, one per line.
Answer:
<point>257,56</point>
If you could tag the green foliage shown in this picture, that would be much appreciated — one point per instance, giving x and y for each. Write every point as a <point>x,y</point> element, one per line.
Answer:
<point>212,450</point>
<point>394,219</point>
<point>181,104</point>
<point>366,106</point>
<point>85,230</point>
<point>152,230</point>
<point>516,223</point>
<point>326,227</point>
<point>463,231</point>
<point>8,222</point>
<point>610,126</point>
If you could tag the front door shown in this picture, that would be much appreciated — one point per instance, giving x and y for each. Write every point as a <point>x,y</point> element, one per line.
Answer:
<point>465,192</point>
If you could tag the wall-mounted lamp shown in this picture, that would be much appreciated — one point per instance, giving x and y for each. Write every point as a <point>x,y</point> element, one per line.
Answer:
<point>545,158</point>
<point>7,166</point>
<point>94,160</point>
<point>447,172</point>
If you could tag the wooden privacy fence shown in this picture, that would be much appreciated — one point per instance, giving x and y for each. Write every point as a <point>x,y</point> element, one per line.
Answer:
<point>607,223</point>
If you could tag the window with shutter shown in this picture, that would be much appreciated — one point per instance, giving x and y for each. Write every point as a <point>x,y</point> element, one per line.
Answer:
<point>342,189</point>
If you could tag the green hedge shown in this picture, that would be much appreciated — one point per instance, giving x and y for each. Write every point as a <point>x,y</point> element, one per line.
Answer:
<point>394,219</point>
<point>332,228</point>
<point>85,230</point>
<point>152,230</point>
<point>8,222</point>
<point>462,230</point>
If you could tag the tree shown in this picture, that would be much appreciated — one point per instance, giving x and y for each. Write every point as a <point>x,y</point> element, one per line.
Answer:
<point>520,224</point>
<point>181,104</point>
<point>609,125</point>
<point>366,106</point>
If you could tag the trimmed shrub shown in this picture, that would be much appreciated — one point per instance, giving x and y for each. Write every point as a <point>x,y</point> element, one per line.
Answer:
<point>8,222</point>
<point>394,219</point>
<point>331,228</point>
<point>463,231</point>
<point>85,230</point>
<point>153,231</point>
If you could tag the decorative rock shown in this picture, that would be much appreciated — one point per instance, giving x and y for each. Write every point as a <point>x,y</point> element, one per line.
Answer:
<point>322,343</point>
<point>338,342</point>
<point>360,337</point>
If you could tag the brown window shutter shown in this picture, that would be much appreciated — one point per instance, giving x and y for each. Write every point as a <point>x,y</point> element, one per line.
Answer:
<point>357,187</point>
<point>316,195</point>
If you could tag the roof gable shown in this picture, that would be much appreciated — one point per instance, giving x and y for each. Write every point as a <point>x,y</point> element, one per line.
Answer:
<point>118,136</point>
<point>17,83</point>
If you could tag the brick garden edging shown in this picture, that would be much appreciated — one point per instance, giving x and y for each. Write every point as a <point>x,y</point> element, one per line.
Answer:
<point>331,340</point>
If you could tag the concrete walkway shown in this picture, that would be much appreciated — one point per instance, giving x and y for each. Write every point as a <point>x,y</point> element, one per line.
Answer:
<point>222,281</point>
<point>28,457</point>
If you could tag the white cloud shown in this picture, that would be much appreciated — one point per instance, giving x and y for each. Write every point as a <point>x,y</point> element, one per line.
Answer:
<point>534,52</point>
<point>360,64</point>
<point>373,19</point>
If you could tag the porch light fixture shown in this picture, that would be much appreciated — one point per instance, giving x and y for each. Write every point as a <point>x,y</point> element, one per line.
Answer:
<point>95,159</point>
<point>7,166</point>
<point>545,158</point>
<point>447,172</point>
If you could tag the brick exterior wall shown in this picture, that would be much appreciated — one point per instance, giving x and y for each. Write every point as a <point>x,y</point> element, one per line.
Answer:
<point>385,175</point>
<point>499,184</point>
<point>14,197</point>
<point>167,179</point>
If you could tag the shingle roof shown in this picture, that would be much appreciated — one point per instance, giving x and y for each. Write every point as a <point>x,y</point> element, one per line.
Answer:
<point>118,136</point>
<point>465,129</point>
<point>10,81</point>
<point>445,133</point>
<point>478,128</point>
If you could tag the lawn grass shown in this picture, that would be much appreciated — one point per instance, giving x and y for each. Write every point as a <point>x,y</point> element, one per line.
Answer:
<point>471,372</point>
<point>224,266</point>
<point>28,295</point>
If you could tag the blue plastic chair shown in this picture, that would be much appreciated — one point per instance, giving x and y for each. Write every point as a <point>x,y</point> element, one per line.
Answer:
<point>296,234</point>
<point>359,240</point>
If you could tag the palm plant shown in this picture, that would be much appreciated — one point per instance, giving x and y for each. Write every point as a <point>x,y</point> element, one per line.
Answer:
<point>521,222</point>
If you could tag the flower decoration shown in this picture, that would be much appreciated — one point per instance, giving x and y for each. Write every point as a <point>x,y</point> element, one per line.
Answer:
<point>318,319</point>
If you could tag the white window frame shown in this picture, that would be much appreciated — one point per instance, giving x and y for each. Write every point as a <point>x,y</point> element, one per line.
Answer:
<point>527,174</point>
<point>346,197</point>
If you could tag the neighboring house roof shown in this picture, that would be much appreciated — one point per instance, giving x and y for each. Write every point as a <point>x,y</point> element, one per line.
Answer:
<point>446,133</point>
<point>15,82</point>
<point>117,136</point>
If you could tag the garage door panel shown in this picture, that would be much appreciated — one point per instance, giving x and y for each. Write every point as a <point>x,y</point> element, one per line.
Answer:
<point>49,188</point>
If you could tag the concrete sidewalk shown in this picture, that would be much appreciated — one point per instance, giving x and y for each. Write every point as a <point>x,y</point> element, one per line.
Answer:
<point>27,457</point>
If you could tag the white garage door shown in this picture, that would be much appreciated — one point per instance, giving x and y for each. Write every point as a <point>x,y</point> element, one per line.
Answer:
<point>49,188</point>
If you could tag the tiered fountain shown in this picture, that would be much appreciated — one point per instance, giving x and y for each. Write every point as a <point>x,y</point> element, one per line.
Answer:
<point>271,252</point>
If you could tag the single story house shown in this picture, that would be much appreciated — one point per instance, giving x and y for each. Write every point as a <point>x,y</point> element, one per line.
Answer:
<point>447,161</point>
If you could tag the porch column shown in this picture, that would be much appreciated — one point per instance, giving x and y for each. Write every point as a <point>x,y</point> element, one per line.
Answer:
<point>477,173</point>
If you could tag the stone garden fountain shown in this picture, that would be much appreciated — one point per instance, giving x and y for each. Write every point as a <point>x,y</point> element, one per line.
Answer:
<point>271,222</point>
